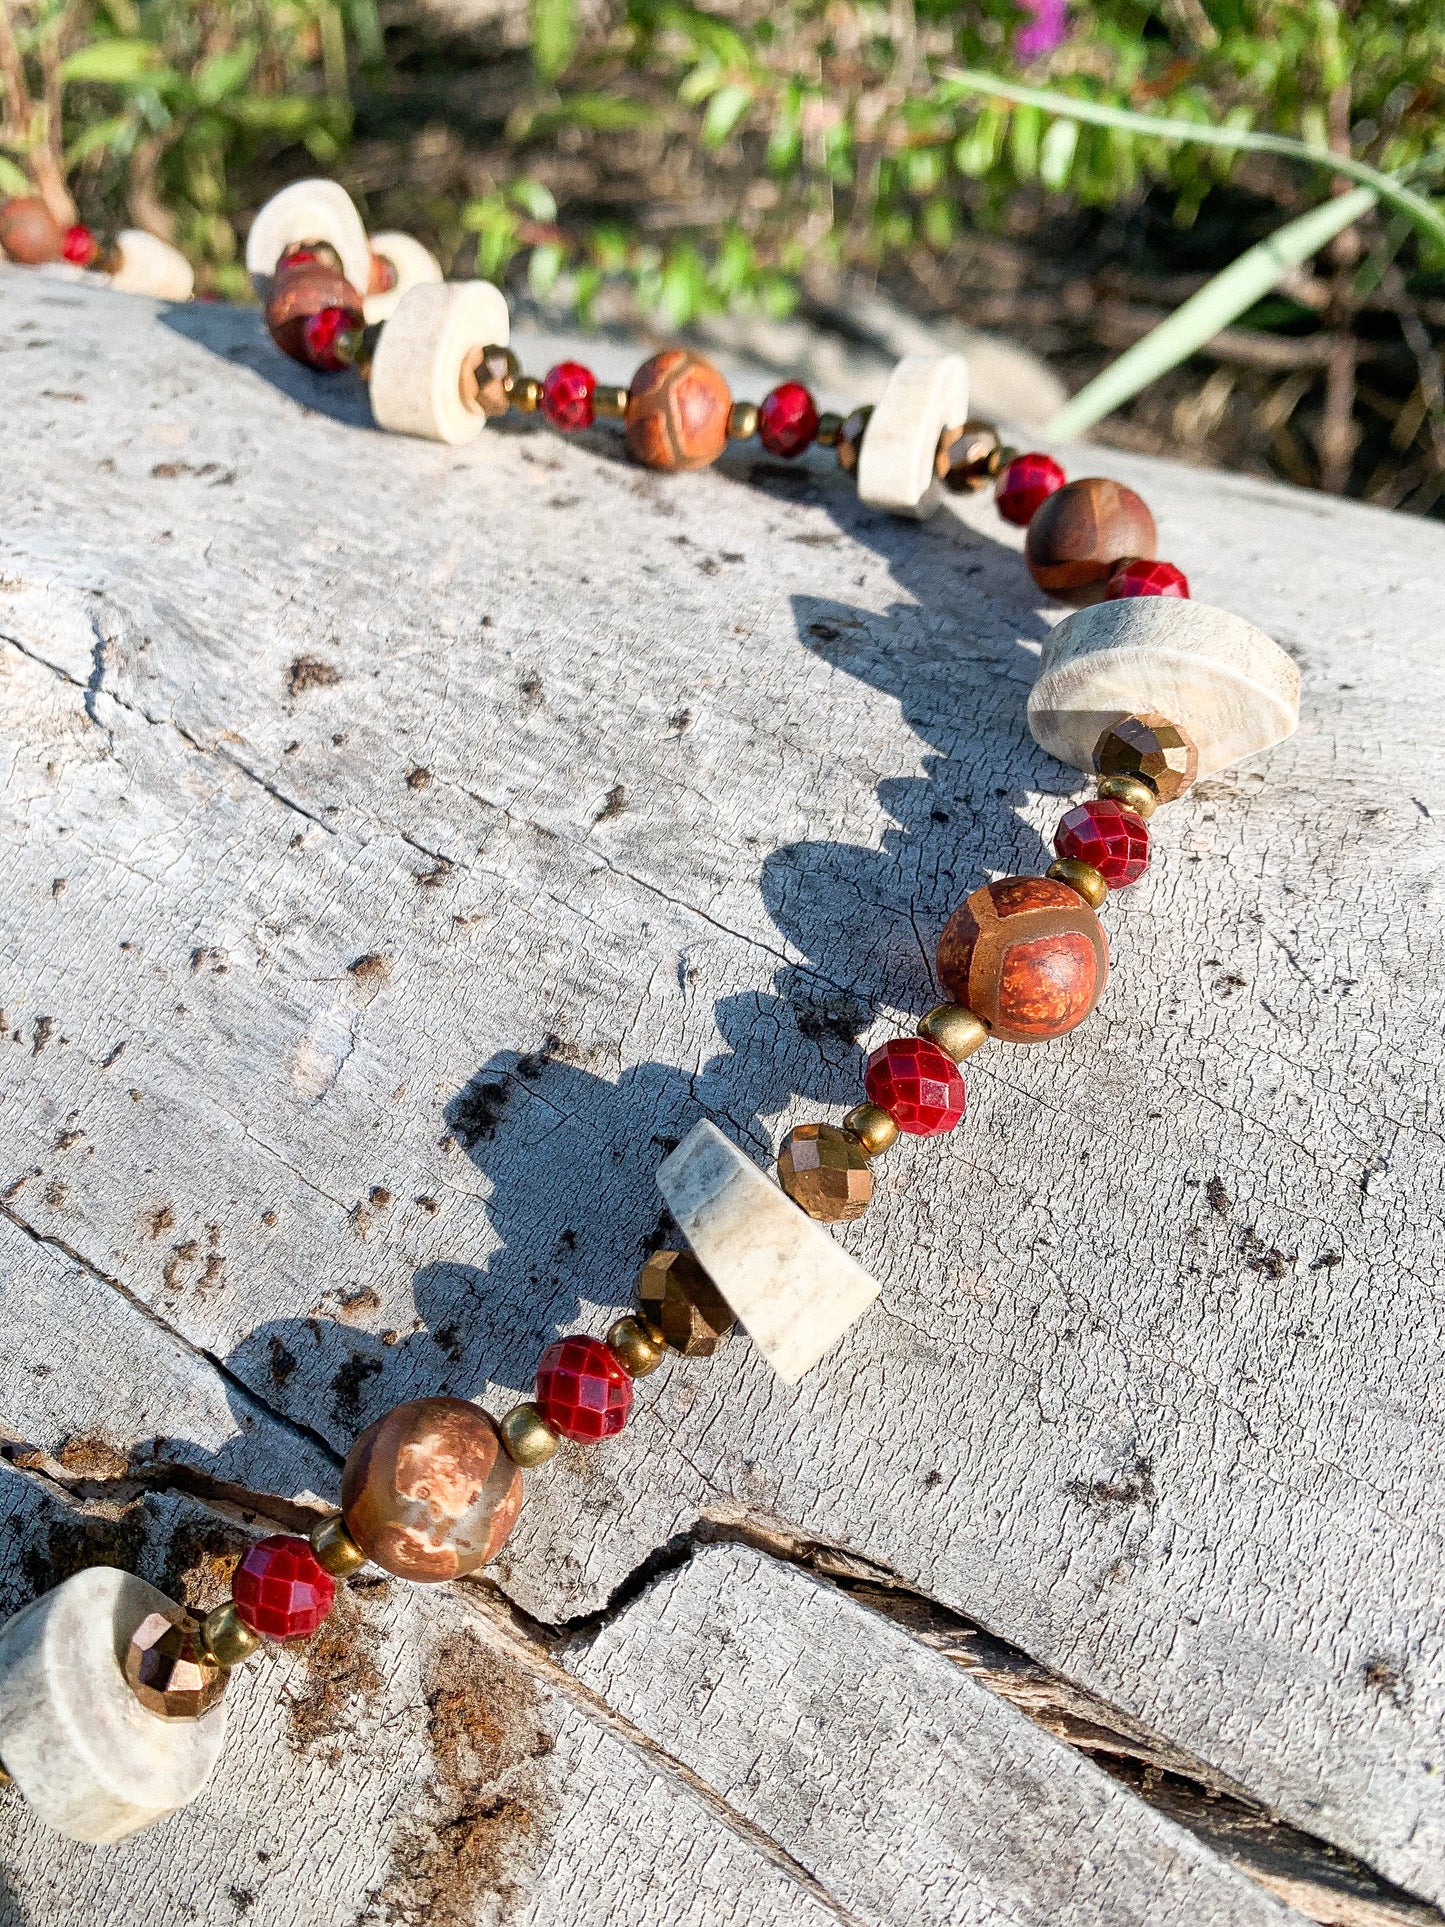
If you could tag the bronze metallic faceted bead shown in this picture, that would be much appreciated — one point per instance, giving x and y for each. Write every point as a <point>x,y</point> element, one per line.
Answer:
<point>825,1171</point>
<point>487,377</point>
<point>1080,876</point>
<point>335,1549</point>
<point>632,1342</point>
<point>1129,791</point>
<point>830,427</point>
<point>872,1126</point>
<point>1151,748</point>
<point>968,457</point>
<point>527,1436</point>
<point>169,1669</point>
<point>954,1030</point>
<point>679,1299</point>
<point>850,439</point>
<point>228,1639</point>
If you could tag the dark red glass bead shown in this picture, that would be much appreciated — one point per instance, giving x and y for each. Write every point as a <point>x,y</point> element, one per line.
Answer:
<point>281,1590</point>
<point>1136,575</point>
<point>583,1390</point>
<point>919,1085</point>
<point>79,246</point>
<point>1115,840</point>
<point>567,395</point>
<point>330,339</point>
<point>1025,485</point>
<point>787,420</point>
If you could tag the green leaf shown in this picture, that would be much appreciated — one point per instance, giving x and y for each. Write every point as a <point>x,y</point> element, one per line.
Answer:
<point>222,74</point>
<point>554,35</point>
<point>97,137</point>
<point>113,63</point>
<point>543,267</point>
<point>535,200</point>
<point>1426,217</point>
<point>600,113</point>
<point>1221,301</point>
<point>12,181</point>
<point>1056,154</point>
<point>724,111</point>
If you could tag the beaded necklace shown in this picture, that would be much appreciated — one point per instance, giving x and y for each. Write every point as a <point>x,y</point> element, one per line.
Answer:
<point>112,1712</point>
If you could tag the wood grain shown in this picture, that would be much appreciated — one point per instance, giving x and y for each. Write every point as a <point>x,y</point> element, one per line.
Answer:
<point>405,845</point>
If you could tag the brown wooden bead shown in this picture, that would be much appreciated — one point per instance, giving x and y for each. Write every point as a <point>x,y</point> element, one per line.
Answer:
<point>29,232</point>
<point>825,1171</point>
<point>302,292</point>
<point>1080,531</point>
<point>428,1492</point>
<point>678,1299</point>
<point>1152,750</point>
<point>1027,955</point>
<point>677,411</point>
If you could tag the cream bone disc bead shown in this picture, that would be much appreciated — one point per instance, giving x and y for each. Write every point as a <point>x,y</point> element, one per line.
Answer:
<point>312,210</point>
<point>151,266</point>
<point>924,395</point>
<point>90,1760</point>
<point>416,373</point>
<point>793,1288</point>
<point>416,267</point>
<point>1219,678</point>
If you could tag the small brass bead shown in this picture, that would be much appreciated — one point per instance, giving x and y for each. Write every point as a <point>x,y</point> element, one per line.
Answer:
<point>830,426</point>
<point>1129,791</point>
<point>335,1548</point>
<point>742,421</point>
<point>873,1128</point>
<point>631,1341</point>
<point>954,1030</point>
<point>1080,876</point>
<point>527,1436</point>
<point>611,402</point>
<point>526,394</point>
<point>228,1639</point>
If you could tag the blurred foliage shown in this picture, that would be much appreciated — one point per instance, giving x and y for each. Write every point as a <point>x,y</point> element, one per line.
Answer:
<point>151,111</point>
<point>854,146</point>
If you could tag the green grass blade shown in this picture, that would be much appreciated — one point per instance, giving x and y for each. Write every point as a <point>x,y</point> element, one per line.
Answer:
<point>1216,305</point>
<point>1392,191</point>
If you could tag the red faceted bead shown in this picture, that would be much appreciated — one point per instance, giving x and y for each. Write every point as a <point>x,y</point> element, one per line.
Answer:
<point>583,1390</point>
<point>79,246</point>
<point>329,339</point>
<point>1025,485</point>
<point>1115,840</point>
<point>280,1589</point>
<point>919,1085</point>
<point>567,395</point>
<point>1136,575</point>
<point>787,420</point>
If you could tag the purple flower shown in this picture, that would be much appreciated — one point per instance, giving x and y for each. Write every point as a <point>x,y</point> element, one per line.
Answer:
<point>1046,28</point>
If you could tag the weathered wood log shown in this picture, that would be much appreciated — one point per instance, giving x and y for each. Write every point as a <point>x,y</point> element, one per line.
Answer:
<point>407,844</point>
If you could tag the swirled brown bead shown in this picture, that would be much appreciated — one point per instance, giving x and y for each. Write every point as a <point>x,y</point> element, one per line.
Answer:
<point>1027,955</point>
<point>428,1492</point>
<point>1079,532</point>
<point>678,409</point>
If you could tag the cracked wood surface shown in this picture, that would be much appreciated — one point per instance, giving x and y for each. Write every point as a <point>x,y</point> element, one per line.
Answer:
<point>405,845</point>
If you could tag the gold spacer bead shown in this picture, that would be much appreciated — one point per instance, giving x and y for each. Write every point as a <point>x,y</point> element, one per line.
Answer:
<point>1130,791</point>
<point>873,1128</point>
<point>632,1343</point>
<point>528,1437</point>
<point>742,421</point>
<point>335,1548</point>
<point>526,394</point>
<point>830,427</point>
<point>610,402</point>
<point>954,1030</point>
<point>1080,876</point>
<point>5,1779</point>
<point>227,1637</point>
